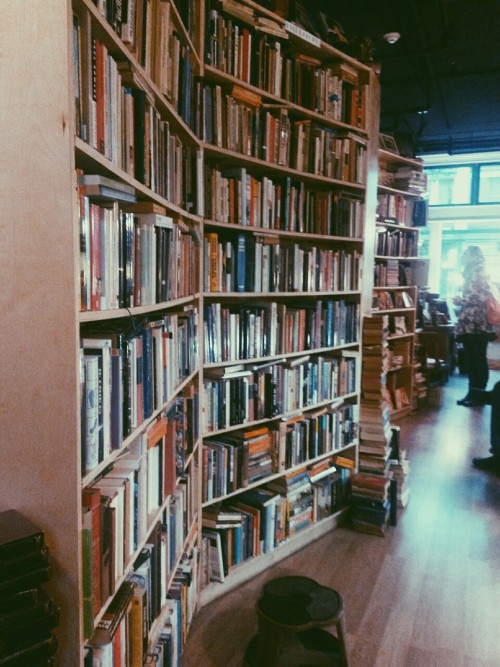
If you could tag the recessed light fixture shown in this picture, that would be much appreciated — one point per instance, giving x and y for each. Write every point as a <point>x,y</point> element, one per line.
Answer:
<point>392,37</point>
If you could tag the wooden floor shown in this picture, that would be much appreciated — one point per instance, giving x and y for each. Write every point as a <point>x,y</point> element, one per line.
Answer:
<point>427,594</point>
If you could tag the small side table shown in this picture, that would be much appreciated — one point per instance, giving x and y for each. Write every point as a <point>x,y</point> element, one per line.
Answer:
<point>292,611</point>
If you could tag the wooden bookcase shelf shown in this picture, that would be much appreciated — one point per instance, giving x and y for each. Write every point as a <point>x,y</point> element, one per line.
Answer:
<point>113,222</point>
<point>398,267</point>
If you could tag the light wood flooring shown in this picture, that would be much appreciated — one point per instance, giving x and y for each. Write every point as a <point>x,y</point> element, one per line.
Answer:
<point>425,595</point>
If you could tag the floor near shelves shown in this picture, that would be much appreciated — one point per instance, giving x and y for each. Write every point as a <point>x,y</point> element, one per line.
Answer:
<point>425,595</point>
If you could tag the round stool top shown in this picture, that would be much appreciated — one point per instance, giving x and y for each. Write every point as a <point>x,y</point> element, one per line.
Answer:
<point>299,601</point>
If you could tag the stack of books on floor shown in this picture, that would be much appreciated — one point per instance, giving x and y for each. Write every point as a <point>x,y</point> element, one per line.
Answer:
<point>399,466</point>
<point>27,614</point>
<point>372,504</point>
<point>374,418</point>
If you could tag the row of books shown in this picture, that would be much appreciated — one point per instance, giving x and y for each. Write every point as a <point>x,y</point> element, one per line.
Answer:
<point>237,333</point>
<point>248,395</point>
<point>235,460</point>
<point>255,50</point>
<point>388,300</point>
<point>270,134</point>
<point>133,22</point>
<point>258,520</point>
<point>130,255</point>
<point>121,637</point>
<point>238,395</point>
<point>255,263</point>
<point>116,116</point>
<point>236,196</point>
<point>396,243</point>
<point>398,209</point>
<point>126,375</point>
<point>117,513</point>
<point>392,273</point>
<point>28,616</point>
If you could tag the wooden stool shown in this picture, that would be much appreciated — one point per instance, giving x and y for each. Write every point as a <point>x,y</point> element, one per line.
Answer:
<point>291,611</point>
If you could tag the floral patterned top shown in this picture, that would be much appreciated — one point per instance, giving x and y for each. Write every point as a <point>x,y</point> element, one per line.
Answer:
<point>472,316</point>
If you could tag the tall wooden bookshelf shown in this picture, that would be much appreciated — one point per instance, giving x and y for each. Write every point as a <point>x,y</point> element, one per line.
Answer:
<point>401,211</point>
<point>145,123</point>
<point>281,208</point>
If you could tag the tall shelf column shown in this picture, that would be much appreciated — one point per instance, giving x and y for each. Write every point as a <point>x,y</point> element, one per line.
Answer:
<point>39,421</point>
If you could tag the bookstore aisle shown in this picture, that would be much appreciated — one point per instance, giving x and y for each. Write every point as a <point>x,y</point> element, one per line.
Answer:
<point>425,594</point>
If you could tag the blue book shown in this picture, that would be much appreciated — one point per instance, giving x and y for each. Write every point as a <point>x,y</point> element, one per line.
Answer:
<point>241,259</point>
<point>147,371</point>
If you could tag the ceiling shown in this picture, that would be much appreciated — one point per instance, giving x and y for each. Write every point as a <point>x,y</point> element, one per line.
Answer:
<point>441,80</point>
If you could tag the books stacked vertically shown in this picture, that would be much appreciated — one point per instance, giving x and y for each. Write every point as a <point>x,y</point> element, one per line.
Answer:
<point>399,467</point>
<point>375,428</point>
<point>27,614</point>
<point>370,503</point>
<point>411,180</point>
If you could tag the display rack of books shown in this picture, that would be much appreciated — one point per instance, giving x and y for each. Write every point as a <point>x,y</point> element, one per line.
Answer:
<point>194,232</point>
<point>283,121</point>
<point>398,304</point>
<point>138,183</point>
<point>28,615</point>
<point>401,212</point>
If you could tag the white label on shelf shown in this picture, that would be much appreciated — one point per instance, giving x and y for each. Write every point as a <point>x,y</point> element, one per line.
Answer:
<point>303,34</point>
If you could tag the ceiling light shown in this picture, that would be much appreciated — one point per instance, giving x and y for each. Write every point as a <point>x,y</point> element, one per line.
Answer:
<point>392,37</point>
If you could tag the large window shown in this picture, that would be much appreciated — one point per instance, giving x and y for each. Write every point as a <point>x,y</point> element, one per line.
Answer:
<point>453,244</point>
<point>464,184</point>
<point>489,184</point>
<point>449,185</point>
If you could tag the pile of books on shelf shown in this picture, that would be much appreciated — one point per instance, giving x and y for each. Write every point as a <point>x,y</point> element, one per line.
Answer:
<point>330,483</point>
<point>27,614</point>
<point>121,636</point>
<point>372,505</point>
<point>412,180</point>
<point>249,525</point>
<point>296,488</point>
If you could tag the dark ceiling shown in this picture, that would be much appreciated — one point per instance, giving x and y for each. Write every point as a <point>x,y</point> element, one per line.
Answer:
<point>441,80</point>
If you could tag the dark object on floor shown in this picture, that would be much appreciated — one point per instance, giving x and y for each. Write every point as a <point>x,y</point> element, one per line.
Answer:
<point>481,396</point>
<point>476,397</point>
<point>291,611</point>
<point>470,403</point>
<point>489,464</point>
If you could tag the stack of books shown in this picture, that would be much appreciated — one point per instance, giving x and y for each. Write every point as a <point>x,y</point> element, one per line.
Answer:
<point>375,427</point>
<point>399,467</point>
<point>411,180</point>
<point>370,503</point>
<point>27,614</point>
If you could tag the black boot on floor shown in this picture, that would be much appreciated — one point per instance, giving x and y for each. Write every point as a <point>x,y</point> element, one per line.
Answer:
<point>463,401</point>
<point>489,463</point>
<point>480,396</point>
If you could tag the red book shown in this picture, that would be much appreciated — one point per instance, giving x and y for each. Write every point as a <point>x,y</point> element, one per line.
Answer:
<point>92,498</point>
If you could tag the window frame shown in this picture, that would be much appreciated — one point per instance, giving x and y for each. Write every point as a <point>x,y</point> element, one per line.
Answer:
<point>475,182</point>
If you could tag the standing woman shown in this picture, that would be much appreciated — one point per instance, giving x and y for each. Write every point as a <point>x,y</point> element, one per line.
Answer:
<point>472,328</point>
